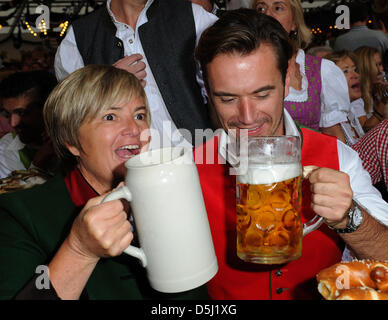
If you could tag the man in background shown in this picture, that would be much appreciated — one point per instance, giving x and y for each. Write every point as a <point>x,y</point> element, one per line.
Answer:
<point>22,97</point>
<point>359,34</point>
<point>154,40</point>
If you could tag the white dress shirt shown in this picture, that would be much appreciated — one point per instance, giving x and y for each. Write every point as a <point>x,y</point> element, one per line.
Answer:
<point>364,193</point>
<point>335,103</point>
<point>163,130</point>
<point>9,154</point>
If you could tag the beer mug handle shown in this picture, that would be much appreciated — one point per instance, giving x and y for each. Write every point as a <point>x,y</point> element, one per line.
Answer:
<point>312,225</point>
<point>124,193</point>
<point>317,221</point>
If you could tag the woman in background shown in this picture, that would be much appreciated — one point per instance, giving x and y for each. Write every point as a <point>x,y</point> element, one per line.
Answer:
<point>318,95</point>
<point>374,89</point>
<point>347,62</point>
<point>372,147</point>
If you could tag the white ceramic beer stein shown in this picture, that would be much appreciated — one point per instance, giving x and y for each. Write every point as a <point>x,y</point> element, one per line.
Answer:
<point>176,246</point>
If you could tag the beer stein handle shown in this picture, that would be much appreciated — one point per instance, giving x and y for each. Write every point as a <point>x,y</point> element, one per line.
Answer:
<point>307,170</point>
<point>124,193</point>
<point>312,225</point>
<point>317,221</point>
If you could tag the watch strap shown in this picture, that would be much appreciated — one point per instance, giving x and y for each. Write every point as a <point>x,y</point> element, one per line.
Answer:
<point>352,223</point>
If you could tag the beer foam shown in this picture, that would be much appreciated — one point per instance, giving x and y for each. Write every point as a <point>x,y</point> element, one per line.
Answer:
<point>267,174</point>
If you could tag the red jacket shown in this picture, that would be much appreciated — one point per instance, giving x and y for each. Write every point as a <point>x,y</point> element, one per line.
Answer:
<point>240,280</point>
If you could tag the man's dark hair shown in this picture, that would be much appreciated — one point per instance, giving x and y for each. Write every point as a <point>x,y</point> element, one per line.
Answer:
<point>358,12</point>
<point>242,31</point>
<point>36,85</point>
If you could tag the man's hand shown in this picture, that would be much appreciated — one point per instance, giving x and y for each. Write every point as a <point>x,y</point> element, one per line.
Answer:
<point>134,65</point>
<point>331,196</point>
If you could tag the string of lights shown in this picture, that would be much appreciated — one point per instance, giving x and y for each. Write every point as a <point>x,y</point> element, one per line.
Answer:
<point>19,17</point>
<point>29,24</point>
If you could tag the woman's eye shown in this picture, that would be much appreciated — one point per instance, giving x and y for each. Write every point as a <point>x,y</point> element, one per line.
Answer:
<point>278,8</point>
<point>141,116</point>
<point>260,9</point>
<point>109,117</point>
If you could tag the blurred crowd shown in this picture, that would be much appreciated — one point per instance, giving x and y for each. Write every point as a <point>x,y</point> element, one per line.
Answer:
<point>38,58</point>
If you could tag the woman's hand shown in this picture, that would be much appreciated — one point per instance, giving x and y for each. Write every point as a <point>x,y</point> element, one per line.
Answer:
<point>101,229</point>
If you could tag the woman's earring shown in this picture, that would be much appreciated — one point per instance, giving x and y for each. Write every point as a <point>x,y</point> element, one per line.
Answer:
<point>293,34</point>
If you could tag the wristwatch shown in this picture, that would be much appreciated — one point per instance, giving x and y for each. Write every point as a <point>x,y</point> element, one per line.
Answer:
<point>355,219</point>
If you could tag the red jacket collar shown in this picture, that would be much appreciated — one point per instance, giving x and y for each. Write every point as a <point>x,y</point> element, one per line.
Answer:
<point>79,189</point>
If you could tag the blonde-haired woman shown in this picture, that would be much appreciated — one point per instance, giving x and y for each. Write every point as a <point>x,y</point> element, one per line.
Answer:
<point>373,89</point>
<point>96,116</point>
<point>372,147</point>
<point>318,95</point>
<point>347,62</point>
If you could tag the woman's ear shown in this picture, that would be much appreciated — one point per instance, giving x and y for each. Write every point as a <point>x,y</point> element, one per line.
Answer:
<point>73,150</point>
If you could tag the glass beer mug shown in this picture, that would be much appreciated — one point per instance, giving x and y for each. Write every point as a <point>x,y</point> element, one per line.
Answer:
<point>269,200</point>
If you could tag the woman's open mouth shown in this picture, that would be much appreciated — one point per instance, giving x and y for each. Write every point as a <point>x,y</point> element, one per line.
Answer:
<point>356,86</point>
<point>128,151</point>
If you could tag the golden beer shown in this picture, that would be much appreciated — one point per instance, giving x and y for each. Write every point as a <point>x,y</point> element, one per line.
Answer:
<point>269,228</point>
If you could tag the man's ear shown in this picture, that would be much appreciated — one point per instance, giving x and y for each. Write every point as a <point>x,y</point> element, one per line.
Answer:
<point>73,150</point>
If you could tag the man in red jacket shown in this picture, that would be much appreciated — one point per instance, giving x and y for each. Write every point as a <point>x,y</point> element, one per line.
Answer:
<point>244,58</point>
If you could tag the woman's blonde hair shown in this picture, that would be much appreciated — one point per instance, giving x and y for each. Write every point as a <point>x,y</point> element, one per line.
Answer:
<point>81,96</point>
<point>337,56</point>
<point>303,33</point>
<point>368,72</point>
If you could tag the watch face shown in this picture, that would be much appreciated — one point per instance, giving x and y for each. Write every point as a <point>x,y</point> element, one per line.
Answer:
<point>357,216</point>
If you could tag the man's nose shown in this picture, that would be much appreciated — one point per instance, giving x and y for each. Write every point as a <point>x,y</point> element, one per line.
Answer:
<point>14,120</point>
<point>247,112</point>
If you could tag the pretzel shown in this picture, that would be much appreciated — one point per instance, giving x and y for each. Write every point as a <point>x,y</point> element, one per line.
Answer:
<point>379,275</point>
<point>357,279</point>
<point>362,294</point>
